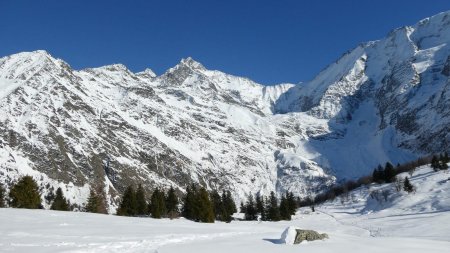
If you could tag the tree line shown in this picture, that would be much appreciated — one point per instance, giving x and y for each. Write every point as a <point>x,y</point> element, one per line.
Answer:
<point>25,194</point>
<point>197,204</point>
<point>269,208</point>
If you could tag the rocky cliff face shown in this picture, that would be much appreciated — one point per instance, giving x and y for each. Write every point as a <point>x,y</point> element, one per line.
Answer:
<point>107,127</point>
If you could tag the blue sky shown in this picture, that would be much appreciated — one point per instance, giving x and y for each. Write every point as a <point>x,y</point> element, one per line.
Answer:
<point>268,41</point>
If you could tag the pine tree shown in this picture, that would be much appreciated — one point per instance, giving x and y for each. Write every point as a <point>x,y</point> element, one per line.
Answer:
<point>284,209</point>
<point>60,203</point>
<point>189,209</point>
<point>141,203</point>
<point>273,209</point>
<point>389,173</point>
<point>292,204</point>
<point>205,207</point>
<point>250,209</point>
<point>443,160</point>
<point>172,203</point>
<point>217,205</point>
<point>378,175</point>
<point>229,207</point>
<point>25,194</point>
<point>435,163</point>
<point>128,205</point>
<point>260,206</point>
<point>407,186</point>
<point>2,196</point>
<point>92,205</point>
<point>158,204</point>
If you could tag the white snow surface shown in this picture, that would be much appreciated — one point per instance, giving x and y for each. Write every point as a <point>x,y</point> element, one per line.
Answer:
<point>416,222</point>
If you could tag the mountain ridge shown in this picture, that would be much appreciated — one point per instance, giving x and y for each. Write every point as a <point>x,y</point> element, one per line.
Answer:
<point>107,127</point>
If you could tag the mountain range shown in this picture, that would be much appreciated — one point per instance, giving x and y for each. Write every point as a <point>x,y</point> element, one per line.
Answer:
<point>107,127</point>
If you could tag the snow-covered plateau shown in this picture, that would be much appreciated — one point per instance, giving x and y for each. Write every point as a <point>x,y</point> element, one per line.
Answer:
<point>107,127</point>
<point>415,222</point>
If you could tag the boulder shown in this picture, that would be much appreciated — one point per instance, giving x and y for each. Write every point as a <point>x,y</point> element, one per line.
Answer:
<point>295,235</point>
<point>308,235</point>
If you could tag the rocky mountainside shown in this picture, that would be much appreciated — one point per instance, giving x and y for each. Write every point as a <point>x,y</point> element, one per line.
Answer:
<point>108,127</point>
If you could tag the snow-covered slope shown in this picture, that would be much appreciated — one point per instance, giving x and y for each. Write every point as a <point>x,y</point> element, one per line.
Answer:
<point>416,222</point>
<point>108,127</point>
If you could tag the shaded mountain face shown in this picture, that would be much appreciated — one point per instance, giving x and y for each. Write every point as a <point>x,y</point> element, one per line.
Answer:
<point>108,127</point>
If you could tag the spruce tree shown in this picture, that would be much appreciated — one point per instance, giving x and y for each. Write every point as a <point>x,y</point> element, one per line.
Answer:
<point>60,203</point>
<point>158,204</point>
<point>25,194</point>
<point>273,209</point>
<point>92,205</point>
<point>292,204</point>
<point>284,209</point>
<point>189,209</point>
<point>2,196</point>
<point>229,207</point>
<point>389,173</point>
<point>217,205</point>
<point>435,163</point>
<point>141,203</point>
<point>260,206</point>
<point>205,207</point>
<point>128,205</point>
<point>172,203</point>
<point>407,186</point>
<point>250,209</point>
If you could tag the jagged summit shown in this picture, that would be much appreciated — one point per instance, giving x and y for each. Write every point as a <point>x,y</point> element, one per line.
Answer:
<point>192,63</point>
<point>147,73</point>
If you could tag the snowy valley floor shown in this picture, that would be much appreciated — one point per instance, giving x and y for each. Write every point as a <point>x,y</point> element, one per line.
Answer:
<point>417,222</point>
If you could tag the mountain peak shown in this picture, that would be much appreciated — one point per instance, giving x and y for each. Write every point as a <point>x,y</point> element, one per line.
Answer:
<point>147,73</point>
<point>192,63</point>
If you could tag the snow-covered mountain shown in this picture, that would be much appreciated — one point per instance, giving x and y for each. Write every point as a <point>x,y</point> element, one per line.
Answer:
<point>108,127</point>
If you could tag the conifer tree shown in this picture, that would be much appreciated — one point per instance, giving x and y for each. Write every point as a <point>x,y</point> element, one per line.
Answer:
<point>291,202</point>
<point>189,209</point>
<point>250,209</point>
<point>273,209</point>
<point>205,207</point>
<point>407,186</point>
<point>128,205</point>
<point>2,196</point>
<point>284,209</point>
<point>172,203</point>
<point>60,203</point>
<point>260,206</point>
<point>229,207</point>
<point>92,205</point>
<point>25,194</point>
<point>378,175</point>
<point>443,161</point>
<point>141,203</point>
<point>217,205</point>
<point>435,163</point>
<point>158,204</point>
<point>389,173</point>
